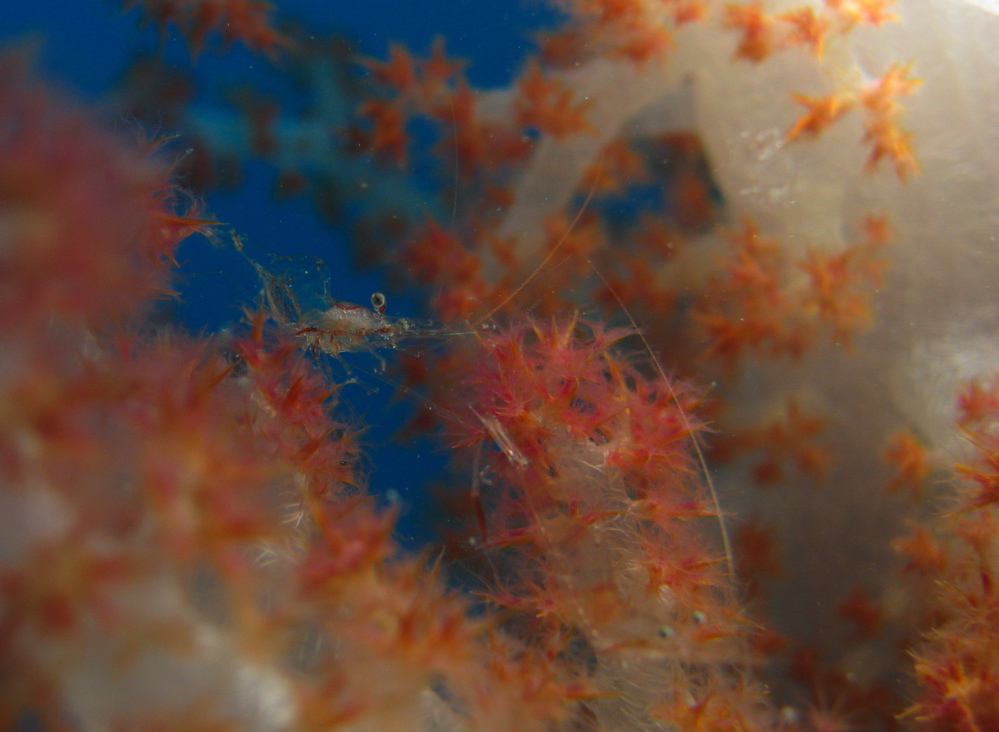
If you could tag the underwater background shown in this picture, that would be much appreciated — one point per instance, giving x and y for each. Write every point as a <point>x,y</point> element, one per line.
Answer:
<point>774,509</point>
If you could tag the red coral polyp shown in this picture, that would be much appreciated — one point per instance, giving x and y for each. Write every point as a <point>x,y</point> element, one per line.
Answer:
<point>555,400</point>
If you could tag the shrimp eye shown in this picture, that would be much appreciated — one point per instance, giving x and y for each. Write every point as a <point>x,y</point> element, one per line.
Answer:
<point>378,302</point>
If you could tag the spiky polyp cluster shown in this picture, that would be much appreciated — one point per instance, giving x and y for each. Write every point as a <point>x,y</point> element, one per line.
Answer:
<point>957,668</point>
<point>597,510</point>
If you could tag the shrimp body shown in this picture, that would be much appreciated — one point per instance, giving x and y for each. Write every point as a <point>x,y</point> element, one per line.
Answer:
<point>346,327</point>
<point>335,326</point>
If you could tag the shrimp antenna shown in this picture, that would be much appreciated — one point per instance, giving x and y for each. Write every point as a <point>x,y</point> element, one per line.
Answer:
<point>553,251</point>
<point>726,542</point>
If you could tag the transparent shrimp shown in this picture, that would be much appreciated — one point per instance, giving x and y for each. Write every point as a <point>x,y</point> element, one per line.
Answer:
<point>348,327</point>
<point>327,325</point>
<point>335,326</point>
